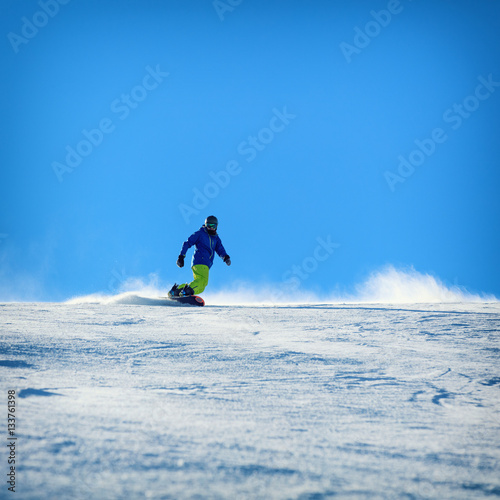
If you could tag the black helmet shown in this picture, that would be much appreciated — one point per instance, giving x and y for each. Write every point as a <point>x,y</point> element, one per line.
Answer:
<point>211,224</point>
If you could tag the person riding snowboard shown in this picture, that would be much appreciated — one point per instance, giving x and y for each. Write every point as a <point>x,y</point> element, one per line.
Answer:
<point>207,242</point>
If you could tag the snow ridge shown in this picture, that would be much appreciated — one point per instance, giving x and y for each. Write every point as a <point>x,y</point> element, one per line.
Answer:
<point>388,285</point>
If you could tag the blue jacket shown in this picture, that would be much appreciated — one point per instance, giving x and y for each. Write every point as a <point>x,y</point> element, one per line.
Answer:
<point>206,246</point>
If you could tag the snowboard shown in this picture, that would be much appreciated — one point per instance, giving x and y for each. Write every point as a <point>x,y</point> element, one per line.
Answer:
<point>193,300</point>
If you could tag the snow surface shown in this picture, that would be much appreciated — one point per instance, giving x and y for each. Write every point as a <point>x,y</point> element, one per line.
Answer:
<point>124,398</point>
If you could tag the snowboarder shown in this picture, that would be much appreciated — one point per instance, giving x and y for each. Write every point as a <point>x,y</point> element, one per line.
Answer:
<point>207,242</point>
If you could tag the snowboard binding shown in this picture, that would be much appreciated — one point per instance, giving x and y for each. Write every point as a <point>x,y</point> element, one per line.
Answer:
<point>185,291</point>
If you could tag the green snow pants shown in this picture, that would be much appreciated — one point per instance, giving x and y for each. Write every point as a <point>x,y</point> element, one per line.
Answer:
<point>200,281</point>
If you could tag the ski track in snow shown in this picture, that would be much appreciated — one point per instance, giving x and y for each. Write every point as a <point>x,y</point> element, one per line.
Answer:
<point>372,401</point>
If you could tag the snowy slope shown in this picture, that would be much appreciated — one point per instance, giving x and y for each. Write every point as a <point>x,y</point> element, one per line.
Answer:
<point>138,400</point>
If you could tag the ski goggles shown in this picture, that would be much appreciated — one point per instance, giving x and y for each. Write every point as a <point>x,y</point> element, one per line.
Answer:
<point>212,226</point>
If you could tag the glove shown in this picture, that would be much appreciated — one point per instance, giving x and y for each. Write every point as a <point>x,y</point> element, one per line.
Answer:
<point>227,260</point>
<point>180,261</point>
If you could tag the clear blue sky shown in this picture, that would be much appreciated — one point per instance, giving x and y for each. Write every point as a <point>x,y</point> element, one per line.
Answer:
<point>309,105</point>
